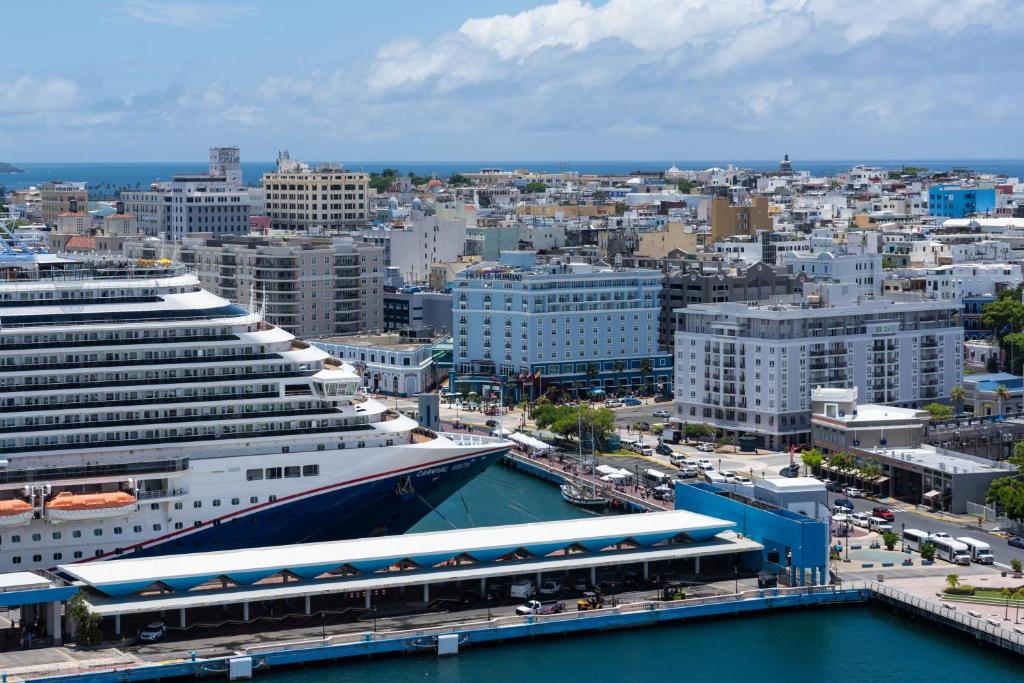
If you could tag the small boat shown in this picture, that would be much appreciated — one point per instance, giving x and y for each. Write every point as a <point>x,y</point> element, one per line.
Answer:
<point>576,496</point>
<point>15,512</point>
<point>67,506</point>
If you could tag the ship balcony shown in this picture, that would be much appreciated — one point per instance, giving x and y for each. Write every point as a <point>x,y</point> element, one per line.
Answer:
<point>160,495</point>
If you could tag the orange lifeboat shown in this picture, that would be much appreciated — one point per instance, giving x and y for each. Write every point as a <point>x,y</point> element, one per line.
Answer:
<point>67,506</point>
<point>15,512</point>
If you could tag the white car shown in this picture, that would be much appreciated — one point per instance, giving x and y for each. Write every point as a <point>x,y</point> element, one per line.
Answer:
<point>852,492</point>
<point>860,519</point>
<point>729,474</point>
<point>153,632</point>
<point>940,534</point>
<point>705,465</point>
<point>740,479</point>
<point>705,447</point>
<point>551,587</point>
<point>662,413</point>
<point>613,404</point>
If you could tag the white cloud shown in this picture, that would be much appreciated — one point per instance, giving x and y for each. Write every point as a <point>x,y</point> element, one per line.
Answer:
<point>184,15</point>
<point>26,94</point>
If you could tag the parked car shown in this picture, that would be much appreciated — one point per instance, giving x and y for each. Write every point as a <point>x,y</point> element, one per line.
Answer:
<point>663,449</point>
<point>580,584</point>
<point>705,447</point>
<point>790,471</point>
<point>551,587</point>
<point>860,519</point>
<point>883,513</point>
<point>662,413</point>
<point>688,472</point>
<point>538,607</point>
<point>705,464</point>
<point>630,401</point>
<point>491,423</point>
<point>843,503</point>
<point>614,403</point>
<point>153,632</point>
<point>940,534</point>
<point>853,492</point>
<point>740,479</point>
<point>642,426</point>
<point>1016,542</point>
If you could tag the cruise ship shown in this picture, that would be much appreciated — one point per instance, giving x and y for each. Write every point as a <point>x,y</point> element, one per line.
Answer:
<point>142,415</point>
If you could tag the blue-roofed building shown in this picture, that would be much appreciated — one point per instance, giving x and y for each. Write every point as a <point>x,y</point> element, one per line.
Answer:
<point>954,201</point>
<point>983,398</point>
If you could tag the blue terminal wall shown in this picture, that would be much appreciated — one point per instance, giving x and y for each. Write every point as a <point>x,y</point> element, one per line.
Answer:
<point>792,542</point>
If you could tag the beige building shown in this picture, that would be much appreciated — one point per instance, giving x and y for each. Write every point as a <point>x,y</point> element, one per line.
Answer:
<point>61,197</point>
<point>441,274</point>
<point>312,287</point>
<point>121,223</point>
<point>566,210</point>
<point>328,196</point>
<point>739,219</point>
<point>659,244</point>
<point>72,222</point>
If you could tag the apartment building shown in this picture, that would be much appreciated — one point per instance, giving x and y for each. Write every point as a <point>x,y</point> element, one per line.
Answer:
<point>861,269</point>
<point>56,198</point>
<point>423,241</point>
<point>521,326</point>
<point>695,285</point>
<point>298,198</point>
<point>311,287</point>
<point>739,219</point>
<point>750,368</point>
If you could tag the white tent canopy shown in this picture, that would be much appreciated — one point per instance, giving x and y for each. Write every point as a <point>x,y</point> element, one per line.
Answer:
<point>529,442</point>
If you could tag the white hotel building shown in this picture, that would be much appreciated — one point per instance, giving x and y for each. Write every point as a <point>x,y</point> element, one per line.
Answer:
<point>750,369</point>
<point>526,326</point>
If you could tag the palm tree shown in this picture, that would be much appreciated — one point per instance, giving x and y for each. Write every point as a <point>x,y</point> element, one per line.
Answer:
<point>952,580</point>
<point>957,395</point>
<point>1002,393</point>
<point>592,373</point>
<point>646,368</point>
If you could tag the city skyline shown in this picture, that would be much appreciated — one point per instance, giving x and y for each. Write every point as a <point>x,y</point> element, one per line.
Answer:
<point>513,80</point>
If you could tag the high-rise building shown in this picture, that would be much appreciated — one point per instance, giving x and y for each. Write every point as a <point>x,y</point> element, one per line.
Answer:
<point>523,326</point>
<point>750,368</point>
<point>225,162</point>
<point>56,198</point>
<point>203,203</point>
<point>298,198</point>
<point>311,287</point>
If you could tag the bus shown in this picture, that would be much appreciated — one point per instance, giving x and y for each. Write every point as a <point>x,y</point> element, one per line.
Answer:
<point>913,538</point>
<point>951,550</point>
<point>981,552</point>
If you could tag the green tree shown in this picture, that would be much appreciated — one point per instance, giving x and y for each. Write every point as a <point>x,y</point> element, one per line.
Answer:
<point>646,368</point>
<point>1008,494</point>
<point>1013,344</point>
<point>939,411</point>
<point>812,459</point>
<point>1017,457</point>
<point>459,179</point>
<point>1002,395</point>
<point>695,430</point>
<point>952,580</point>
<point>1015,565</point>
<point>685,186</point>
<point>87,624</point>
<point>842,461</point>
<point>1003,316</point>
<point>889,540</point>
<point>958,395</point>
<point>870,471</point>
<point>382,181</point>
<point>927,551</point>
<point>535,187</point>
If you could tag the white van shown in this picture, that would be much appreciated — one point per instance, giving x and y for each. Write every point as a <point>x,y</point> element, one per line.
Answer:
<point>715,477</point>
<point>878,524</point>
<point>981,552</point>
<point>523,589</point>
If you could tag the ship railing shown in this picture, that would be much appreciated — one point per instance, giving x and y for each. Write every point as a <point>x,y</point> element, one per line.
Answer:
<point>11,322</point>
<point>87,471</point>
<point>162,493</point>
<point>473,439</point>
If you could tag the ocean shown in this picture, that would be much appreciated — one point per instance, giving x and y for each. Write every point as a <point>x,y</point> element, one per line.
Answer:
<point>104,178</point>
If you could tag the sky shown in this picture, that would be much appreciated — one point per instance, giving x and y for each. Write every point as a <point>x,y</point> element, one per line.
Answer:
<point>149,80</point>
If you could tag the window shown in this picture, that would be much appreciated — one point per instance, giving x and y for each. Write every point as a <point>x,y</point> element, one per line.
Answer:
<point>292,472</point>
<point>310,470</point>
<point>56,535</point>
<point>16,559</point>
<point>177,506</point>
<point>254,499</point>
<point>77,533</point>
<point>57,556</point>
<point>15,538</point>
<point>157,527</point>
<point>234,501</point>
<point>273,472</point>
<point>197,503</point>
<point>178,525</point>
<point>97,532</point>
<point>78,555</point>
<point>272,498</point>
<point>37,537</point>
<point>253,475</point>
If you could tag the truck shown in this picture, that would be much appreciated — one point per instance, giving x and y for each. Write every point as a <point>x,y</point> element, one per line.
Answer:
<point>523,589</point>
<point>538,607</point>
<point>981,552</point>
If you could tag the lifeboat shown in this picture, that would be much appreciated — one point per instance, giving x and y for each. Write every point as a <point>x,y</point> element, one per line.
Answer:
<point>15,512</point>
<point>67,506</point>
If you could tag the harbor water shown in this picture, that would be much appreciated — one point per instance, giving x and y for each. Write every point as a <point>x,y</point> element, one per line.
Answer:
<point>841,644</point>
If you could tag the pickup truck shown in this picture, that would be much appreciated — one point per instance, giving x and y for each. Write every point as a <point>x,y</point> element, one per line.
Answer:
<point>538,607</point>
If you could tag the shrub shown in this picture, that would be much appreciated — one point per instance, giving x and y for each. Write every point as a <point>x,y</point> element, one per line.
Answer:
<point>962,589</point>
<point>1015,564</point>
<point>927,551</point>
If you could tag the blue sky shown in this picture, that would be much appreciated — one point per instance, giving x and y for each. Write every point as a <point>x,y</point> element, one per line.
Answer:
<point>144,80</point>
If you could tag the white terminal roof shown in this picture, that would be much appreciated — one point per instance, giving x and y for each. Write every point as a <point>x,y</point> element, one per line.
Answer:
<point>485,544</point>
<point>23,581</point>
<point>943,460</point>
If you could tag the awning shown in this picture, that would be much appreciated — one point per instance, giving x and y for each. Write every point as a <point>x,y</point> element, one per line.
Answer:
<point>933,494</point>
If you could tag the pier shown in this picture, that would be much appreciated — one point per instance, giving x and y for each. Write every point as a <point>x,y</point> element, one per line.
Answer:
<point>630,497</point>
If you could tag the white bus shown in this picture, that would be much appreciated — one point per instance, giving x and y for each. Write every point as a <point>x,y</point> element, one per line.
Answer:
<point>951,550</point>
<point>913,538</point>
<point>981,552</point>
